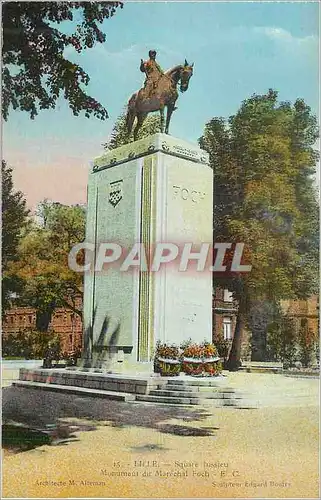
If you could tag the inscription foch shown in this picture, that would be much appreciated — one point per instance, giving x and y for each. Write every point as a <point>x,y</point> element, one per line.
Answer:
<point>188,194</point>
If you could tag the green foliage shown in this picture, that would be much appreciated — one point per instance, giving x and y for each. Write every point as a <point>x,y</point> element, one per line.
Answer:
<point>289,342</point>
<point>167,369</point>
<point>119,135</point>
<point>306,343</point>
<point>263,160</point>
<point>14,215</point>
<point>42,267</point>
<point>223,346</point>
<point>14,222</point>
<point>35,70</point>
<point>29,344</point>
<point>261,314</point>
<point>274,343</point>
<point>65,225</point>
<point>186,343</point>
<point>282,339</point>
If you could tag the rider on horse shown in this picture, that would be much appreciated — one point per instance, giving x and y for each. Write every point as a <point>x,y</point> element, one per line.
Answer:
<point>160,91</point>
<point>153,72</point>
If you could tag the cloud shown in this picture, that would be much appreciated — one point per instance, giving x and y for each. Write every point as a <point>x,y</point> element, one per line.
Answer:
<point>267,40</point>
<point>285,38</point>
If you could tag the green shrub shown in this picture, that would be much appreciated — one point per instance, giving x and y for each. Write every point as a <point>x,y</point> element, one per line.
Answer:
<point>306,346</point>
<point>29,344</point>
<point>289,341</point>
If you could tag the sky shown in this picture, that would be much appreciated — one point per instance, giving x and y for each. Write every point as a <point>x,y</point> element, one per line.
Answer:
<point>238,48</point>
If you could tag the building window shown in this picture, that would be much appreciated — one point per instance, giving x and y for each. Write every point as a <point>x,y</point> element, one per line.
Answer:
<point>304,322</point>
<point>70,338</point>
<point>227,328</point>
<point>228,297</point>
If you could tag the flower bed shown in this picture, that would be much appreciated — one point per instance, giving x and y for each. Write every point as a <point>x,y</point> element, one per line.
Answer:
<point>169,367</point>
<point>193,359</point>
<point>192,367</point>
<point>212,368</point>
<point>167,360</point>
<point>202,367</point>
<point>201,360</point>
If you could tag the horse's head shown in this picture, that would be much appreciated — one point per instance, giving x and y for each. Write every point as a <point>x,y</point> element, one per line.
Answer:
<point>185,75</point>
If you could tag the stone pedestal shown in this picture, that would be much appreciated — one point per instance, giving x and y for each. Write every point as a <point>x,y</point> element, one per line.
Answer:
<point>158,189</point>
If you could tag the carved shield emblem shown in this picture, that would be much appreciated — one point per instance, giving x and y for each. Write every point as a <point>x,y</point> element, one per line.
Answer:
<point>115,192</point>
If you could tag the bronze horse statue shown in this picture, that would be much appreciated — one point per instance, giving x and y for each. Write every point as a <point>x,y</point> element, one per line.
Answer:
<point>165,94</point>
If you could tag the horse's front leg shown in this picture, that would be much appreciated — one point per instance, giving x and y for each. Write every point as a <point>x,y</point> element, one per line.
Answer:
<point>170,109</point>
<point>161,110</point>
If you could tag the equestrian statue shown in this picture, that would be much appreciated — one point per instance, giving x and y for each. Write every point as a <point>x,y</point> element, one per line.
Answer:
<point>159,91</point>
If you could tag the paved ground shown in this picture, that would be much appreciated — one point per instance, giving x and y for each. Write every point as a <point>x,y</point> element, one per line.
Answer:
<point>110,449</point>
<point>274,390</point>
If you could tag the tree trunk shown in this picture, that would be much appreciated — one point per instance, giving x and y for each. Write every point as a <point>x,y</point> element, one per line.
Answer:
<point>43,319</point>
<point>234,359</point>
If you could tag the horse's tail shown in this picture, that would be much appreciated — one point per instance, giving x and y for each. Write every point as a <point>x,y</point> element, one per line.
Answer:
<point>131,114</point>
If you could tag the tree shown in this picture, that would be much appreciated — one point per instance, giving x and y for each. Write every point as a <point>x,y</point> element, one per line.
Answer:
<point>14,221</point>
<point>263,159</point>
<point>289,341</point>
<point>274,337</point>
<point>307,342</point>
<point>119,135</point>
<point>29,344</point>
<point>65,224</point>
<point>42,267</point>
<point>260,315</point>
<point>35,70</point>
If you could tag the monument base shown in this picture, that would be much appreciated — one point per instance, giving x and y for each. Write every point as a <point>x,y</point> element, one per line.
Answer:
<point>153,191</point>
<point>111,365</point>
<point>149,388</point>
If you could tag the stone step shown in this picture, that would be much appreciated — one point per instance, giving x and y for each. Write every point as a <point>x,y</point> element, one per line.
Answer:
<point>80,391</point>
<point>260,369</point>
<point>193,394</point>
<point>209,382</point>
<point>167,399</point>
<point>213,403</point>
<point>195,388</point>
<point>121,396</point>
<point>239,403</point>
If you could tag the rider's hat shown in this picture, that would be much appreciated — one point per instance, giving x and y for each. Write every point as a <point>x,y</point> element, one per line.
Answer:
<point>152,53</point>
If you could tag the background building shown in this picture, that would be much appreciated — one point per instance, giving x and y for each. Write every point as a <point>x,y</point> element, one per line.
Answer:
<point>68,325</point>
<point>64,322</point>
